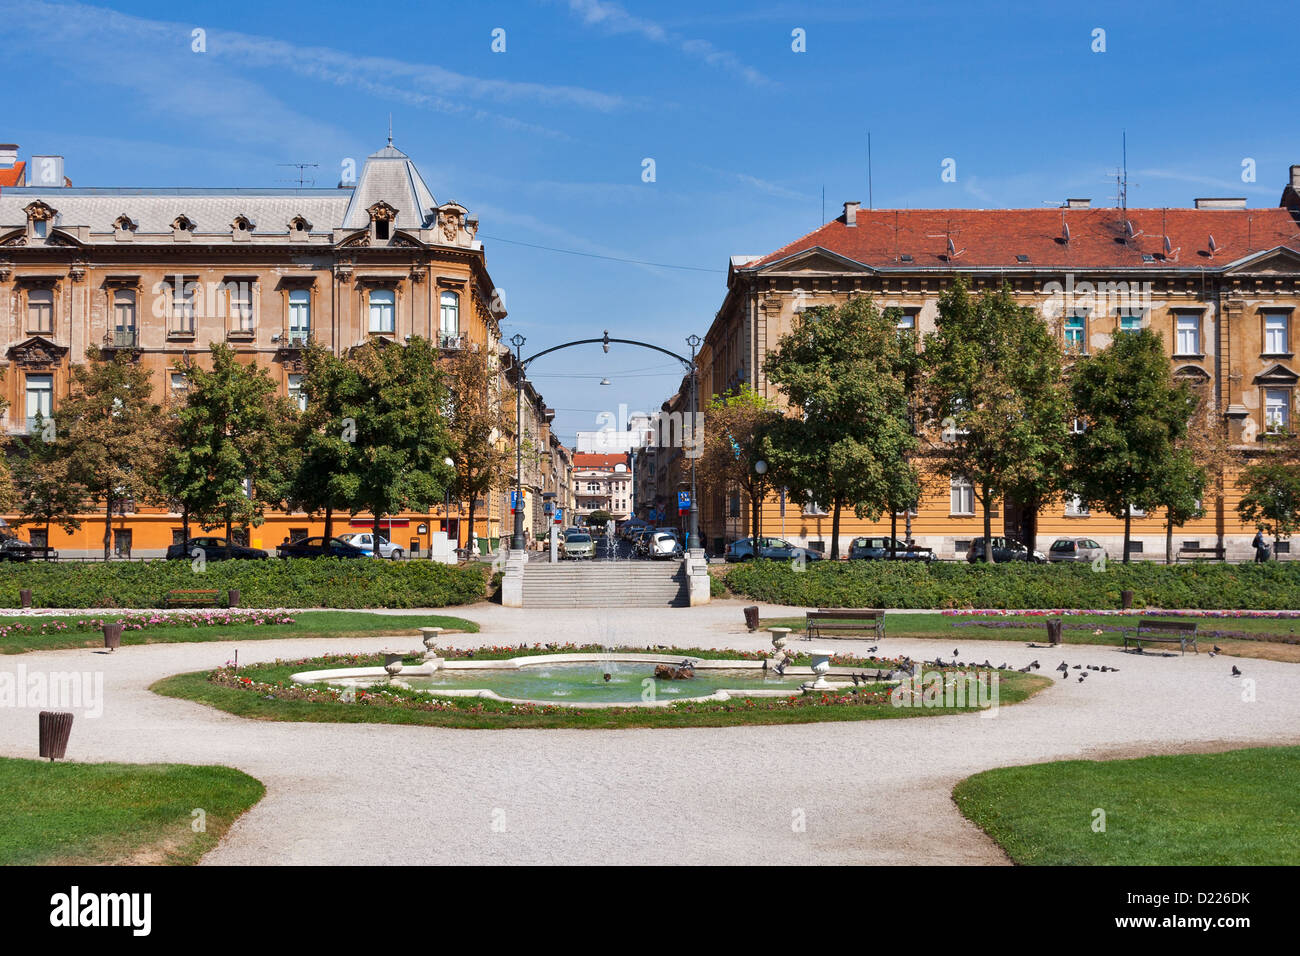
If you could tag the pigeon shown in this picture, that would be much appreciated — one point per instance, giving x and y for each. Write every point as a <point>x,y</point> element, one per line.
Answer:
<point>1064,667</point>
<point>1081,677</point>
<point>1078,667</point>
<point>1035,665</point>
<point>1002,666</point>
<point>1218,649</point>
<point>1025,670</point>
<point>1235,671</point>
<point>855,679</point>
<point>780,669</point>
<point>872,649</point>
<point>986,663</point>
<point>955,653</point>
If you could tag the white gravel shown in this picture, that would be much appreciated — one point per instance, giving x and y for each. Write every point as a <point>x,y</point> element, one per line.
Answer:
<point>865,792</point>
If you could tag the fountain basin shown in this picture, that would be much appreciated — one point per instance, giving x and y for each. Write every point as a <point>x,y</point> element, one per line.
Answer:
<point>577,680</point>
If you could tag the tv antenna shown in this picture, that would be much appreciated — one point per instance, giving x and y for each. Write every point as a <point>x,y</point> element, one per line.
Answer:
<point>303,179</point>
<point>1121,178</point>
<point>953,251</point>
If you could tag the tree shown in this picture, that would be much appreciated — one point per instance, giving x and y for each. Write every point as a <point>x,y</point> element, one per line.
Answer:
<point>842,370</point>
<point>401,432</point>
<point>1202,457</point>
<point>326,435</point>
<point>478,423</point>
<point>732,446</point>
<point>110,431</point>
<point>1134,415</point>
<point>994,385</point>
<point>231,452</point>
<point>1270,489</point>
<point>46,493</point>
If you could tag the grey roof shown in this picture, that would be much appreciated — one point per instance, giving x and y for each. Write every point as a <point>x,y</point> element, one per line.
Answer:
<point>388,175</point>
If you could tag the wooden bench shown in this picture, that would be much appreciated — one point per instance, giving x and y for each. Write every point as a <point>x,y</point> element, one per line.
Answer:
<point>192,599</point>
<point>817,623</point>
<point>1201,554</point>
<point>1181,633</point>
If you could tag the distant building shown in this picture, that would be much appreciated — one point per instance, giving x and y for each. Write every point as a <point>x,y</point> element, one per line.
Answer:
<point>601,482</point>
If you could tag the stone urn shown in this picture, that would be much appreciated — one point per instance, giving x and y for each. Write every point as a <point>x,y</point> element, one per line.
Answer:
<point>430,636</point>
<point>779,636</point>
<point>392,663</point>
<point>821,666</point>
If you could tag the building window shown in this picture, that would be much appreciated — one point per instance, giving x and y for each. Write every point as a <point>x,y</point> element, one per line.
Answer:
<point>296,394</point>
<point>40,310</point>
<point>1277,410</point>
<point>299,315</point>
<point>241,306</point>
<point>1136,512</point>
<point>178,535</point>
<point>183,306</point>
<point>1074,507</point>
<point>1135,547</point>
<point>124,310</point>
<point>40,399</point>
<point>961,496</point>
<point>122,542</point>
<point>813,509</point>
<point>907,322</point>
<point>1277,338</point>
<point>733,506</point>
<point>381,310</point>
<point>38,538</point>
<point>1187,334</point>
<point>179,384</point>
<point>1075,332</point>
<point>450,316</point>
<point>1130,321</point>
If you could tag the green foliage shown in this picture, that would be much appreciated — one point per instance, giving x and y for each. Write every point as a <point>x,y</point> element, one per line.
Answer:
<point>45,492</point>
<point>735,426</point>
<point>867,584</point>
<point>1136,416</point>
<point>844,369</point>
<point>1271,493</point>
<point>994,385</point>
<point>294,582</point>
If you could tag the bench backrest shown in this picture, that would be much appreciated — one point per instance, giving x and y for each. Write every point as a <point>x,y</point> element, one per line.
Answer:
<point>1183,626</point>
<point>844,614</point>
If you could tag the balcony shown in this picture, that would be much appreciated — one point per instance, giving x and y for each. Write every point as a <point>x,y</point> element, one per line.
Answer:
<point>298,338</point>
<point>451,340</point>
<point>122,338</point>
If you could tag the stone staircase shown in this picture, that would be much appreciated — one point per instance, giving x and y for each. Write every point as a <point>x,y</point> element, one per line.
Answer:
<point>599,583</point>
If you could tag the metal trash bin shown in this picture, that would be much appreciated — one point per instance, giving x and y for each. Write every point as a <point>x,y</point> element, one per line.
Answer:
<point>1126,600</point>
<point>232,597</point>
<point>751,618</point>
<point>1054,631</point>
<point>112,636</point>
<point>25,596</point>
<point>56,727</point>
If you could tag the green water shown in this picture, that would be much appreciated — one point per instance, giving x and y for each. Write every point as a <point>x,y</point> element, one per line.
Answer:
<point>585,683</point>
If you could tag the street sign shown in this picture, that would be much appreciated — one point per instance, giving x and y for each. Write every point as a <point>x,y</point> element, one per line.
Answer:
<point>559,516</point>
<point>683,501</point>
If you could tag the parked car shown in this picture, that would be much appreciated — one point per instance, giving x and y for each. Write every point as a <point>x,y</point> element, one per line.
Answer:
<point>16,549</point>
<point>578,546</point>
<point>319,547</point>
<point>214,549</point>
<point>662,545</point>
<point>1004,549</point>
<point>1075,549</point>
<point>886,549</point>
<point>365,540</point>
<point>773,549</point>
<point>641,542</point>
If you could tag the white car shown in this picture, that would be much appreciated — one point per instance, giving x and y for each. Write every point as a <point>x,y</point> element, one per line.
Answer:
<point>662,544</point>
<point>365,540</point>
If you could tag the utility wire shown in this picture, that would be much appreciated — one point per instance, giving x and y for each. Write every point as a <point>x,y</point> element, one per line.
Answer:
<point>593,255</point>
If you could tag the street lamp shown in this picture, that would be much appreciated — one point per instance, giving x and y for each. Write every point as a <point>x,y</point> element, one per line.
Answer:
<point>692,537</point>
<point>446,503</point>
<point>517,543</point>
<point>760,469</point>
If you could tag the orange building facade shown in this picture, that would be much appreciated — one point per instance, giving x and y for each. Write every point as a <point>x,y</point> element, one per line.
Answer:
<point>1220,282</point>
<point>162,273</point>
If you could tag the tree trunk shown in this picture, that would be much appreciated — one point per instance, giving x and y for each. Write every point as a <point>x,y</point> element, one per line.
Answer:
<point>471,542</point>
<point>1128,522</point>
<point>755,518</point>
<point>1029,522</point>
<point>988,524</point>
<point>329,522</point>
<point>375,529</point>
<point>893,532</point>
<point>835,532</point>
<point>185,525</point>
<point>1169,539</point>
<point>108,524</point>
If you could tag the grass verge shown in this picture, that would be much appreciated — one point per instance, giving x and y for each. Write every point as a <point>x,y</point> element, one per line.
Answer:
<point>1229,809</point>
<point>19,635</point>
<point>114,813</point>
<point>271,696</point>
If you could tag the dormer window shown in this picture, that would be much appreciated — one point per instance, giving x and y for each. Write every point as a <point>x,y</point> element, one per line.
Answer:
<point>299,227</point>
<point>124,227</point>
<point>382,219</point>
<point>182,227</point>
<point>40,218</point>
<point>241,227</point>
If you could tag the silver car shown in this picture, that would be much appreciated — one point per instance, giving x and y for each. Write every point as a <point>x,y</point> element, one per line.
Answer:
<point>578,545</point>
<point>1075,549</point>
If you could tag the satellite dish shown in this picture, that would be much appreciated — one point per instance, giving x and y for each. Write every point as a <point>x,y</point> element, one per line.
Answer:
<point>1169,246</point>
<point>1214,246</point>
<point>1065,231</point>
<point>952,248</point>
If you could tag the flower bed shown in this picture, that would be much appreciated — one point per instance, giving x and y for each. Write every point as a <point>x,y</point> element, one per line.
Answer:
<point>146,620</point>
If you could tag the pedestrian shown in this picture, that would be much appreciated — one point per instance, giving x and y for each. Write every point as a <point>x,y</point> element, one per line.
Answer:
<point>1260,546</point>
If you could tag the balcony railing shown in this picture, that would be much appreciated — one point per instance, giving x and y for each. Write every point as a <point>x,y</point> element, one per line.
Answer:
<point>298,338</point>
<point>122,338</point>
<point>451,340</point>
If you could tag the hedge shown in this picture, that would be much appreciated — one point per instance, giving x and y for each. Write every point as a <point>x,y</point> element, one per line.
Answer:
<point>1270,586</point>
<point>293,582</point>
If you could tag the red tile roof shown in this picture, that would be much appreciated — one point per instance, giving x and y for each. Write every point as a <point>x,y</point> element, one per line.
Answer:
<point>585,459</point>
<point>992,238</point>
<point>14,175</point>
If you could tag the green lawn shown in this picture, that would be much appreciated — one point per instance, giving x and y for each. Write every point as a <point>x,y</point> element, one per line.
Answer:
<point>476,714</point>
<point>1231,809</point>
<point>1247,636</point>
<point>16,639</point>
<point>112,813</point>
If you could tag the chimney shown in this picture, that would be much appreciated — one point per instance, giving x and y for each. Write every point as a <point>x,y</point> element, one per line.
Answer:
<point>9,156</point>
<point>1078,204</point>
<point>1231,203</point>
<point>1295,178</point>
<point>851,213</point>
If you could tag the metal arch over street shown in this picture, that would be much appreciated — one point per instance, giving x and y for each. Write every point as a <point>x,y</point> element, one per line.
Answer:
<point>517,340</point>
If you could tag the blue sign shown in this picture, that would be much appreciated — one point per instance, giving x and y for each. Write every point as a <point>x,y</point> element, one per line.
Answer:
<point>683,501</point>
<point>559,516</point>
<point>514,500</point>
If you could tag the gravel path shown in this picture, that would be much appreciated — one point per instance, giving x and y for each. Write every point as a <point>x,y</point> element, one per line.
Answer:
<point>861,792</point>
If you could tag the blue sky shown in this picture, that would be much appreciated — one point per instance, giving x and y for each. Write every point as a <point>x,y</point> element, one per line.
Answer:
<point>545,142</point>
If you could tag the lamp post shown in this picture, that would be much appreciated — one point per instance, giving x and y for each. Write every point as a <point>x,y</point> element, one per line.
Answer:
<point>692,537</point>
<point>517,542</point>
<point>446,505</point>
<point>760,469</point>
